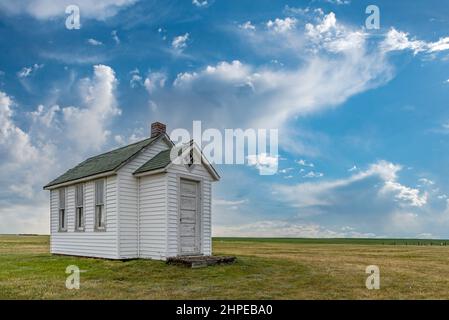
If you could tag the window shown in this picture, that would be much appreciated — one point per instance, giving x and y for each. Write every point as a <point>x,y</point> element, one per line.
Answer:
<point>79,207</point>
<point>62,211</point>
<point>100,214</point>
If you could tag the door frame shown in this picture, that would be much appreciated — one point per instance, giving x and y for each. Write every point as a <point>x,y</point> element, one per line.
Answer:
<point>199,214</point>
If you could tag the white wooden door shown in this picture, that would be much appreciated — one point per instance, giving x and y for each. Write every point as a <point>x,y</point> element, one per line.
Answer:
<point>189,217</point>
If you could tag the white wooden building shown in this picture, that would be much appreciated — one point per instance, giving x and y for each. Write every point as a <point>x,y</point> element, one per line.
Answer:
<point>133,202</point>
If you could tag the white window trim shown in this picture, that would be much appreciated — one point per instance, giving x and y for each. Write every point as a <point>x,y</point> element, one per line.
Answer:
<point>80,229</point>
<point>96,227</point>
<point>60,229</point>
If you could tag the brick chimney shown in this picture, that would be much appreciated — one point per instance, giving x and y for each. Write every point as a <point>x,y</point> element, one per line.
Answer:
<point>157,128</point>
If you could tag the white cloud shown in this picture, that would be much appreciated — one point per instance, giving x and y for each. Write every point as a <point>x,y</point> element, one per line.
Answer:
<point>14,142</point>
<point>322,193</point>
<point>47,9</point>
<point>115,37</point>
<point>405,194</point>
<point>155,80</point>
<point>265,163</point>
<point>339,2</point>
<point>305,163</point>
<point>28,71</point>
<point>86,126</point>
<point>45,117</point>
<point>222,202</point>
<point>247,26</point>
<point>281,25</point>
<point>20,156</point>
<point>313,174</point>
<point>119,139</point>
<point>94,42</point>
<point>136,80</point>
<point>268,96</point>
<point>286,170</point>
<point>426,181</point>
<point>53,134</point>
<point>398,40</point>
<point>440,45</point>
<point>179,43</point>
<point>229,204</point>
<point>334,37</point>
<point>200,3</point>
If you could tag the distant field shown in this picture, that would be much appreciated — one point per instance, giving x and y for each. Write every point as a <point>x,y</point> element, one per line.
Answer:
<point>415,242</point>
<point>265,269</point>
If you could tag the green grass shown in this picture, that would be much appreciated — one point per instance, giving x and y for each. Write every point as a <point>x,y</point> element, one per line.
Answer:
<point>265,269</point>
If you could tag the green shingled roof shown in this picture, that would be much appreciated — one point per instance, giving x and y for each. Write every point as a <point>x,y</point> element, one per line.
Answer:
<point>102,163</point>
<point>159,161</point>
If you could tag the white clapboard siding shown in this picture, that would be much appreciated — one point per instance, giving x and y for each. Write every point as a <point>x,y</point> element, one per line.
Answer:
<point>173,175</point>
<point>128,199</point>
<point>90,243</point>
<point>153,216</point>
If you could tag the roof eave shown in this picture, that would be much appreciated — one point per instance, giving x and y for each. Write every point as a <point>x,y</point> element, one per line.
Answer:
<point>84,179</point>
<point>151,172</point>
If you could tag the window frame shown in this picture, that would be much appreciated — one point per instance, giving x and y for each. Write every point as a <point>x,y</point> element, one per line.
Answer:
<point>80,206</point>
<point>62,210</point>
<point>100,207</point>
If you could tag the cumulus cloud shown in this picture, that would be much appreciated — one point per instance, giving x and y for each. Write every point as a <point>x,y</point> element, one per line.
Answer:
<point>45,117</point>
<point>266,164</point>
<point>14,142</point>
<point>247,26</point>
<point>281,25</point>
<point>86,126</point>
<point>154,81</point>
<point>403,194</point>
<point>54,132</point>
<point>334,37</point>
<point>398,40</point>
<point>19,156</point>
<point>179,43</point>
<point>47,9</point>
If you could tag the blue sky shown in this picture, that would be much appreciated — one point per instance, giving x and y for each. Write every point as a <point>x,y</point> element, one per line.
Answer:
<point>362,114</point>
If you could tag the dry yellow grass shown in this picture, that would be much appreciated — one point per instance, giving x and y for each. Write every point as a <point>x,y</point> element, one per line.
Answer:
<point>264,270</point>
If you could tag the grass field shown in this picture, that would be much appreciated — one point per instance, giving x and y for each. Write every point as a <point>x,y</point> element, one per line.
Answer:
<point>265,269</point>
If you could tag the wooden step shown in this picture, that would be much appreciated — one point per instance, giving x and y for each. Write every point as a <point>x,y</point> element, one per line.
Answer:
<point>200,261</point>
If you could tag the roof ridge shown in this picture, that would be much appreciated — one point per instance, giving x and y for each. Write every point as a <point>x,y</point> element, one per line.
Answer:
<point>128,145</point>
